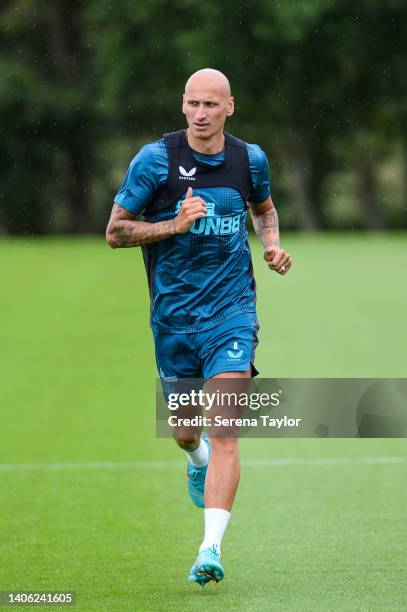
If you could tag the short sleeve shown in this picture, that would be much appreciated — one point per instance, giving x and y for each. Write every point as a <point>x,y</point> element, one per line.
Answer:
<point>259,169</point>
<point>147,171</point>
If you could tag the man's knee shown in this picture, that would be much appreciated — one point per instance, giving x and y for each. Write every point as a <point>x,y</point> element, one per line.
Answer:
<point>226,446</point>
<point>187,440</point>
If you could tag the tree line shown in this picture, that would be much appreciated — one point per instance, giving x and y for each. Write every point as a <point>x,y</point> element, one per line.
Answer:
<point>320,84</point>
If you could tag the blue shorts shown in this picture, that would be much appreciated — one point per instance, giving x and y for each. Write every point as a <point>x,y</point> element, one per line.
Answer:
<point>228,347</point>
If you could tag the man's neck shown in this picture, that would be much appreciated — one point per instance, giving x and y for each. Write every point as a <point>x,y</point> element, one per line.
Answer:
<point>208,147</point>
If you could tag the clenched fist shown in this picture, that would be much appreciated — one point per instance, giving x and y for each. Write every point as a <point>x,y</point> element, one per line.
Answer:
<point>192,208</point>
<point>278,260</point>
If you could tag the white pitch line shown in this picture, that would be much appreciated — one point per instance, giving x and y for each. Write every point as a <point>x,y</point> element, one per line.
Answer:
<point>154,465</point>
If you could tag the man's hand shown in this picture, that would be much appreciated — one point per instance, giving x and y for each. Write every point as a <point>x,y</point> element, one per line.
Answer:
<point>277,260</point>
<point>192,208</point>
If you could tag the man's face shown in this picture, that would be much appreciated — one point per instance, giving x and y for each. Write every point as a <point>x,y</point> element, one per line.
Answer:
<point>206,111</point>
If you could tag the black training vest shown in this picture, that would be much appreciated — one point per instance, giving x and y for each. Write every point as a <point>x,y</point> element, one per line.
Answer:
<point>185,171</point>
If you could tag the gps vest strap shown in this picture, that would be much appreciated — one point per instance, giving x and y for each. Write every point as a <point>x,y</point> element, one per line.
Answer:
<point>185,171</point>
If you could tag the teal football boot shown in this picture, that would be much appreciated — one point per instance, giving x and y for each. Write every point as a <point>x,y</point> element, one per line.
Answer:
<point>196,478</point>
<point>208,565</point>
<point>195,577</point>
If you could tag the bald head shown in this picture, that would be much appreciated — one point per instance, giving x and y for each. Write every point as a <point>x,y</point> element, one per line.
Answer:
<point>208,80</point>
<point>206,104</point>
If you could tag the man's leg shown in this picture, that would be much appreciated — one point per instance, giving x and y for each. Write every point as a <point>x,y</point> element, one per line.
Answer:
<point>178,363</point>
<point>222,481</point>
<point>196,448</point>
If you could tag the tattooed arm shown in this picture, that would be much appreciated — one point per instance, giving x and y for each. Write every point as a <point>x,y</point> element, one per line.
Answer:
<point>265,223</point>
<point>124,231</point>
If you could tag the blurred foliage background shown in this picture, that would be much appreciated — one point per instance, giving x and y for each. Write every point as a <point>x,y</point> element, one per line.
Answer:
<point>321,85</point>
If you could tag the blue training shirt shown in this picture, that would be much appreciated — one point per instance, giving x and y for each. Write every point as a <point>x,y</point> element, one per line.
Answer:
<point>204,276</point>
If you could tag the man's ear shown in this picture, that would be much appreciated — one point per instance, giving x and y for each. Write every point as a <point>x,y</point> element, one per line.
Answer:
<point>183,103</point>
<point>231,107</point>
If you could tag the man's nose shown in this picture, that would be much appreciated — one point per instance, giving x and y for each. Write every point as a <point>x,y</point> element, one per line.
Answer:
<point>201,112</point>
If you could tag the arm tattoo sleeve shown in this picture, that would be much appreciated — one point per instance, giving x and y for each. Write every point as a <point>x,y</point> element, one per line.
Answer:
<point>266,227</point>
<point>124,231</point>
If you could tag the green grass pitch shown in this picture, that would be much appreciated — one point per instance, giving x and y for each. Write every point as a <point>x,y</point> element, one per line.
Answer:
<point>91,501</point>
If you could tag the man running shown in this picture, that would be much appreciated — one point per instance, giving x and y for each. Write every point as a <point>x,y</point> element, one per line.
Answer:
<point>193,188</point>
